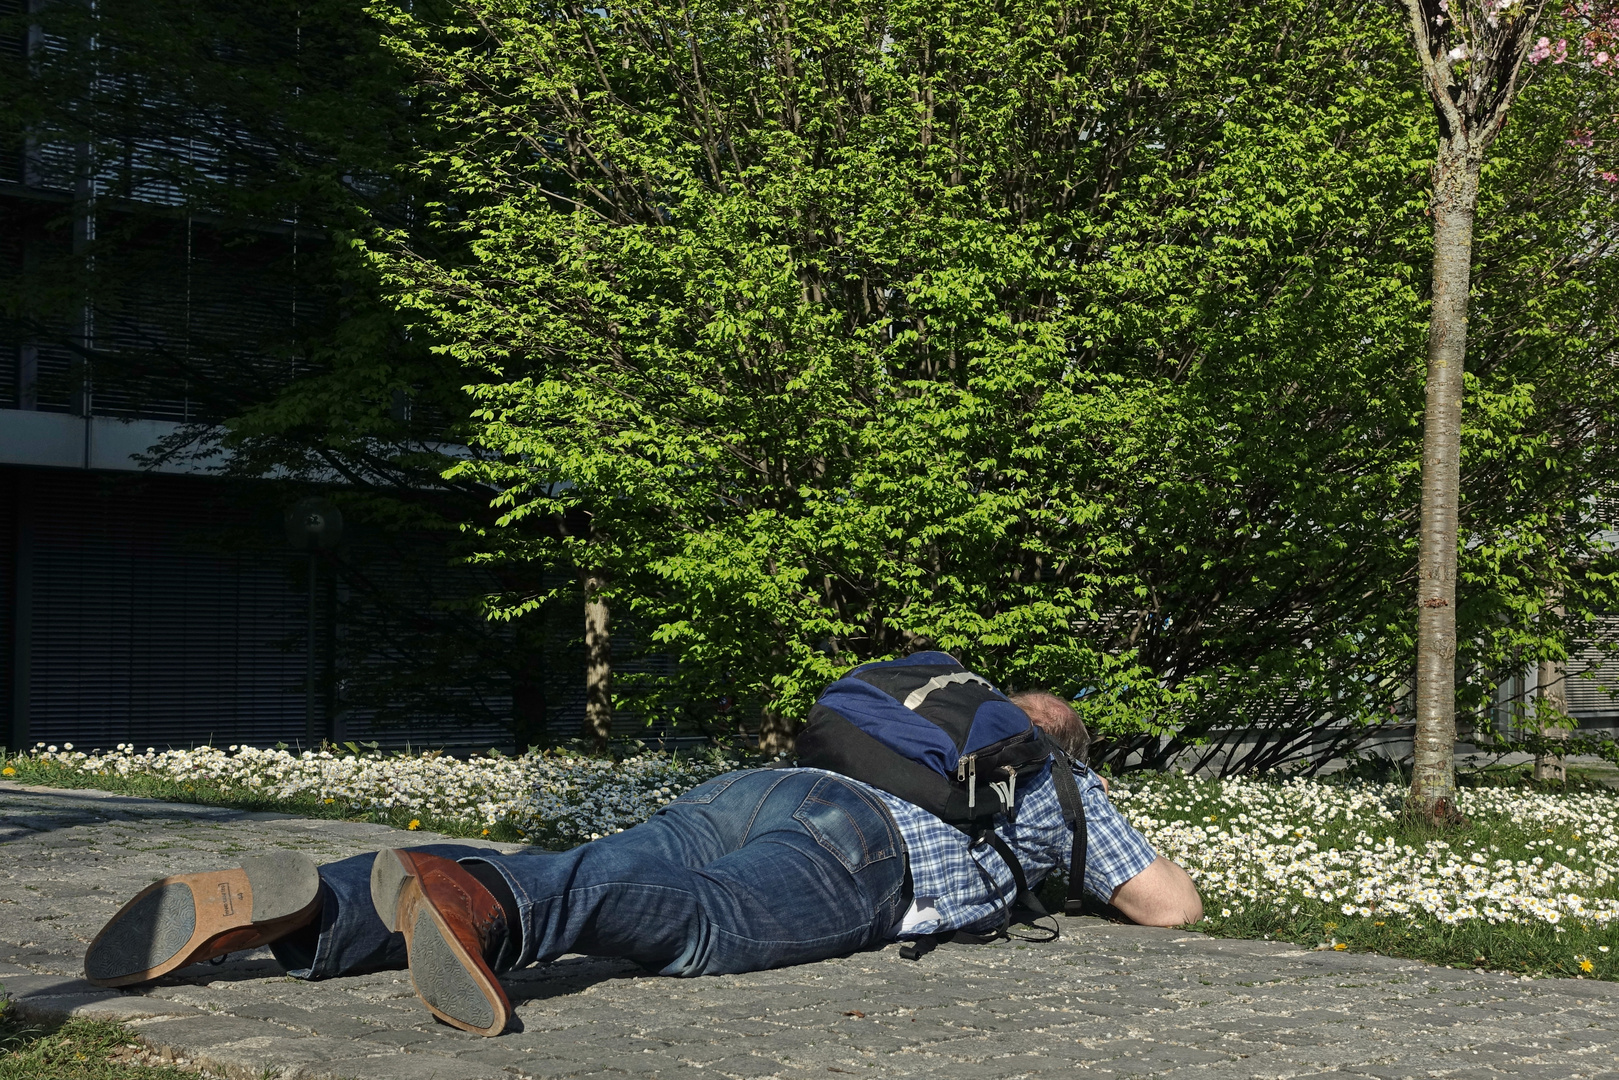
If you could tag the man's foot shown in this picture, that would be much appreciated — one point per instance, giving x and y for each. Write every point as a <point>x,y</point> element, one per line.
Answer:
<point>450,921</point>
<point>189,918</point>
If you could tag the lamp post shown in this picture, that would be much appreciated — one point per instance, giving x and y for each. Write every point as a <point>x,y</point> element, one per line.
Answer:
<point>313,526</point>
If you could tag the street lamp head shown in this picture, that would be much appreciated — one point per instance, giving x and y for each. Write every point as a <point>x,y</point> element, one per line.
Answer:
<point>314,525</point>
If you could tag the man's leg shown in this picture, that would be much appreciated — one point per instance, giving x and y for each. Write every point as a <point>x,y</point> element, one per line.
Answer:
<point>752,870</point>
<point>348,938</point>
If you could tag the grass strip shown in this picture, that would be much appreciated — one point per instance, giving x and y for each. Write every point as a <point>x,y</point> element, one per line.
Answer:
<point>77,1050</point>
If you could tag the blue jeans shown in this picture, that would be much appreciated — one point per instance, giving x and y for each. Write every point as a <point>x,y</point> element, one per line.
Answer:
<point>752,870</point>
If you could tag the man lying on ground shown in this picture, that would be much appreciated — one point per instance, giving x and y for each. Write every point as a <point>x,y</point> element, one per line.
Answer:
<point>754,869</point>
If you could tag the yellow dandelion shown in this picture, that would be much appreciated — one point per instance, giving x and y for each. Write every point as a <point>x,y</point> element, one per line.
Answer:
<point>329,802</point>
<point>486,832</point>
<point>1377,924</point>
<point>1340,947</point>
<point>415,824</point>
<point>1586,965</point>
<point>8,771</point>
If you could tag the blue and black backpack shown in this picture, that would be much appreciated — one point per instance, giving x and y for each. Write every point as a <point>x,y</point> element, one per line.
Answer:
<point>926,729</point>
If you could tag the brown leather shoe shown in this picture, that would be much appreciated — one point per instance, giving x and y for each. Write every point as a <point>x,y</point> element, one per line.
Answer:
<point>188,918</point>
<point>449,920</point>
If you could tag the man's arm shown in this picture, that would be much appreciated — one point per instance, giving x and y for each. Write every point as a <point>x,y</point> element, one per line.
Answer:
<point>1161,895</point>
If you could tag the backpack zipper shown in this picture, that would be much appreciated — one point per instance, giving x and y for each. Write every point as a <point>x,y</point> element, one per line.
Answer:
<point>967,769</point>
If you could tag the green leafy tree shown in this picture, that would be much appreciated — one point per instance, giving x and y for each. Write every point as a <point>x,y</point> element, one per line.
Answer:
<point>1081,341</point>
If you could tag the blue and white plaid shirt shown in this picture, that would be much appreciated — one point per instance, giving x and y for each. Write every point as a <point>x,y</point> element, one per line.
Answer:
<point>956,886</point>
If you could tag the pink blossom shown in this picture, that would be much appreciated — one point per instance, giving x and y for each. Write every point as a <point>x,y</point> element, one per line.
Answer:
<point>1560,51</point>
<point>1601,58</point>
<point>1581,138</point>
<point>1542,49</point>
<point>1610,177</point>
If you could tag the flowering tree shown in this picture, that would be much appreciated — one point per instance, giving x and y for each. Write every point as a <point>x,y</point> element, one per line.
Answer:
<point>1472,53</point>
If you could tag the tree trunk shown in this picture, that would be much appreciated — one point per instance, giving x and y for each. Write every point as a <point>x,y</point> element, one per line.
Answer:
<point>598,660</point>
<point>1433,777</point>
<point>1553,695</point>
<point>775,731</point>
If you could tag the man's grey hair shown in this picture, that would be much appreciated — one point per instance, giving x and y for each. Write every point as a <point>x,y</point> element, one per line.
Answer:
<point>1056,718</point>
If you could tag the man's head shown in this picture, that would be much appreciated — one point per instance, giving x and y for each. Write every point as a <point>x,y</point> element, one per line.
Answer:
<point>1056,718</point>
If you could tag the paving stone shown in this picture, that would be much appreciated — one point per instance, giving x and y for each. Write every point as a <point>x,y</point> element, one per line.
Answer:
<point>398,1039</point>
<point>404,1067</point>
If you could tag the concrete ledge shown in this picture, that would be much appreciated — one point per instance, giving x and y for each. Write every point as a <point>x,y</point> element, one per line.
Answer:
<point>58,997</point>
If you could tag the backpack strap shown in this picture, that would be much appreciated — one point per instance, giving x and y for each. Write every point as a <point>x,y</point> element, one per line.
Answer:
<point>1075,900</point>
<point>917,948</point>
<point>1025,906</point>
<point>1073,809</point>
<point>1024,901</point>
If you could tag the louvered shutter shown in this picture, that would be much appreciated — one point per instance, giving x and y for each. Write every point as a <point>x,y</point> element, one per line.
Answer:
<point>13,55</point>
<point>1589,698</point>
<point>141,633</point>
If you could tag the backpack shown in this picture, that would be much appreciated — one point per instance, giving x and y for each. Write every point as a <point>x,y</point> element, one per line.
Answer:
<point>926,729</point>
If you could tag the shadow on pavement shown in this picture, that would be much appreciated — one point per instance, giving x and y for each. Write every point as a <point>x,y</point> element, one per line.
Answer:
<point>563,977</point>
<point>30,810</point>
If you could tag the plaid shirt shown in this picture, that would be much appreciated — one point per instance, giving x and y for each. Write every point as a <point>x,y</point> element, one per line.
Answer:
<point>960,887</point>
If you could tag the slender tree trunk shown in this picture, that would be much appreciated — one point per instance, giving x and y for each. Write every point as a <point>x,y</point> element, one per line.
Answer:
<point>598,660</point>
<point>1553,695</point>
<point>1433,780</point>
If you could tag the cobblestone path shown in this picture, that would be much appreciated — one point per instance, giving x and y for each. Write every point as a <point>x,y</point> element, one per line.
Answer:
<point>1104,1001</point>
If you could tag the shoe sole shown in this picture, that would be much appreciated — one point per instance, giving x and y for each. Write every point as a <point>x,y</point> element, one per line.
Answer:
<point>457,988</point>
<point>170,923</point>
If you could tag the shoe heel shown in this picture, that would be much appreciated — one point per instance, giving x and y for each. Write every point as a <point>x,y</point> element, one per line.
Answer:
<point>284,884</point>
<point>388,877</point>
